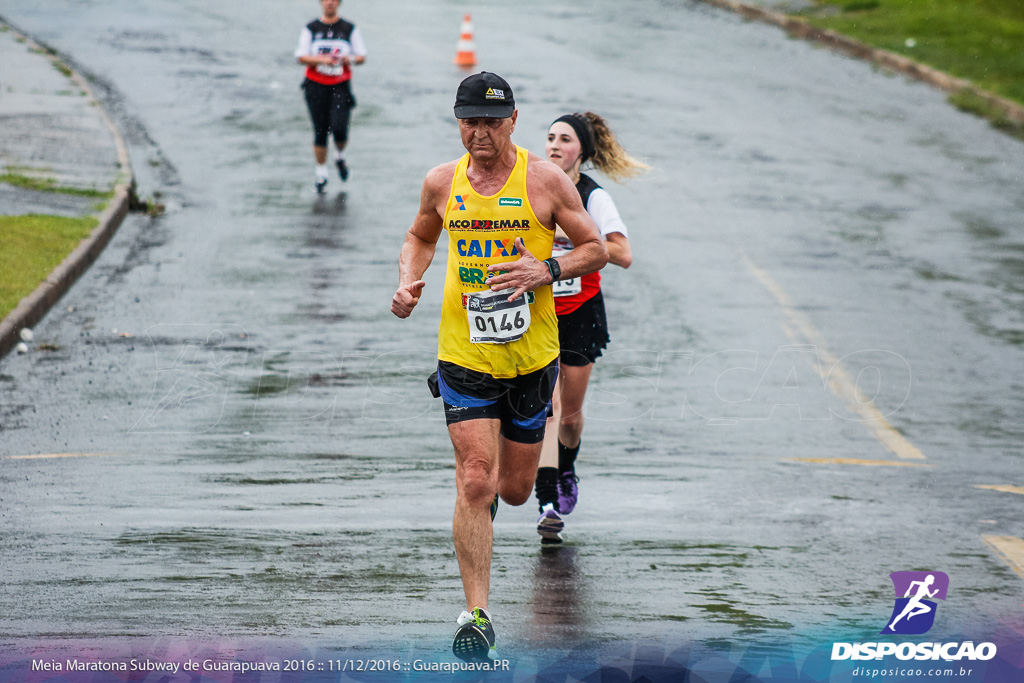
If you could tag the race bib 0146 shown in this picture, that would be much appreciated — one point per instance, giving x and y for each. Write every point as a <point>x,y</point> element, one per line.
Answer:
<point>493,319</point>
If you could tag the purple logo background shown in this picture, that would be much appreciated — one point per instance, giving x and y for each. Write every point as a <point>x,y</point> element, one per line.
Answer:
<point>914,610</point>
<point>901,582</point>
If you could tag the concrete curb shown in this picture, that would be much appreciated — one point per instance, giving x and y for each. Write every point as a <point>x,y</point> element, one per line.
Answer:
<point>35,306</point>
<point>890,60</point>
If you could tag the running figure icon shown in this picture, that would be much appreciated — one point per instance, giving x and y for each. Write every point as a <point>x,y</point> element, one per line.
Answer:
<point>915,607</point>
<point>917,593</point>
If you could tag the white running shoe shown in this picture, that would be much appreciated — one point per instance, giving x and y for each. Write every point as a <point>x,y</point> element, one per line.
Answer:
<point>550,525</point>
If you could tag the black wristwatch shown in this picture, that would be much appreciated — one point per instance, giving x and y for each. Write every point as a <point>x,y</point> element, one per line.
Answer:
<point>553,268</point>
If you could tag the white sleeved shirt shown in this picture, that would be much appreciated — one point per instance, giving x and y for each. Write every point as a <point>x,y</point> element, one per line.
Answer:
<point>354,46</point>
<point>602,209</point>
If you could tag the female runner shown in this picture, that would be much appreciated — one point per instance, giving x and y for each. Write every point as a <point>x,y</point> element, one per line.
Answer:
<point>329,47</point>
<point>573,140</point>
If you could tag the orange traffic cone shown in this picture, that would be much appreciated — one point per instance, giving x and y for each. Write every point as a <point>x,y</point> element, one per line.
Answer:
<point>465,54</point>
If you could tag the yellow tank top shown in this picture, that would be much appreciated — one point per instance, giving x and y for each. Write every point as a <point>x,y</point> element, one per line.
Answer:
<point>482,231</point>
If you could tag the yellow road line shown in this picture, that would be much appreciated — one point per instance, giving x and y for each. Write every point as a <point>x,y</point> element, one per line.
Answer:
<point>1010,550</point>
<point>801,331</point>
<point>1005,488</point>
<point>43,456</point>
<point>855,461</point>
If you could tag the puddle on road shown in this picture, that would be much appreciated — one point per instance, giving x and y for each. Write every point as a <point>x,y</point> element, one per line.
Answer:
<point>290,573</point>
<point>932,273</point>
<point>11,415</point>
<point>980,227</point>
<point>747,621</point>
<point>278,481</point>
<point>989,319</point>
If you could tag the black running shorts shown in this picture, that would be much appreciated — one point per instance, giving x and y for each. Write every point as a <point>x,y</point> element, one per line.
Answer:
<point>520,403</point>
<point>330,108</point>
<point>583,333</point>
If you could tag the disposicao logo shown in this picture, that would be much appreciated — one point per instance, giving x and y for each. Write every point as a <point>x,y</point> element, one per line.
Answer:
<point>914,614</point>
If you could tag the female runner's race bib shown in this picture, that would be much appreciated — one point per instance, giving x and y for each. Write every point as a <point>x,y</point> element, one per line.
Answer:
<point>331,69</point>
<point>493,319</point>
<point>564,287</point>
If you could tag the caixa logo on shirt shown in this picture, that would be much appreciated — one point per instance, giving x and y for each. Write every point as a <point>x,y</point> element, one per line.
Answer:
<point>913,613</point>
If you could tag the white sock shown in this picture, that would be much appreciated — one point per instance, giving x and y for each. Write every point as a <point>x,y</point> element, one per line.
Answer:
<point>321,171</point>
<point>339,155</point>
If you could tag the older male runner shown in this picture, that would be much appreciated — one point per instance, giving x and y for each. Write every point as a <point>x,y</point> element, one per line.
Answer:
<point>498,340</point>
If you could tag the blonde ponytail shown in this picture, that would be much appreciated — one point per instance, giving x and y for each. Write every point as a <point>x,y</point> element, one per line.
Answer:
<point>609,156</point>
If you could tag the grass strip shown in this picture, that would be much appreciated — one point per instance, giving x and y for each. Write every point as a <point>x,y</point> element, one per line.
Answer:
<point>33,245</point>
<point>976,40</point>
<point>50,185</point>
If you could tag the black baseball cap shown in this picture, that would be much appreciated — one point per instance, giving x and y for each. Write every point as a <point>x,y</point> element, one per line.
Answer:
<point>484,95</point>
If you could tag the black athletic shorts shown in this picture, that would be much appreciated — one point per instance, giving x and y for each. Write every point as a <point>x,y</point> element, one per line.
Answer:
<point>330,108</point>
<point>583,333</point>
<point>520,403</point>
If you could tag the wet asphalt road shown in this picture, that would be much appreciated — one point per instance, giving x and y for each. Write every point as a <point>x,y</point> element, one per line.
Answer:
<point>258,452</point>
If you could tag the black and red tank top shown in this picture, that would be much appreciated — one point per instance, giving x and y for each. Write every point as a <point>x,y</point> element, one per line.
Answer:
<point>327,39</point>
<point>590,284</point>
